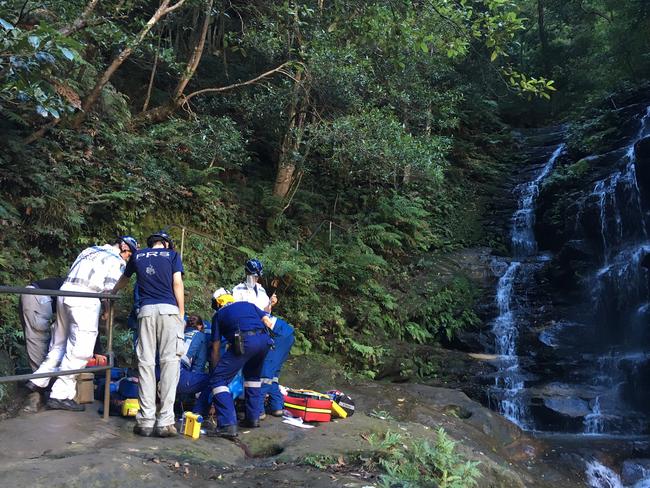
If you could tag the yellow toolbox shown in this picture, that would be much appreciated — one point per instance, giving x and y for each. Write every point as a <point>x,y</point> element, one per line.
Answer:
<point>130,407</point>
<point>192,424</point>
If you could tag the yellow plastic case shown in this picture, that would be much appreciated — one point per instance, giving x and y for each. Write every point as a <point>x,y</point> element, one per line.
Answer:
<point>192,425</point>
<point>338,411</point>
<point>130,407</point>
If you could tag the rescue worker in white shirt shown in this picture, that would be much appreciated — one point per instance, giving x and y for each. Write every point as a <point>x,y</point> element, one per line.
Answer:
<point>96,270</point>
<point>282,333</point>
<point>37,314</point>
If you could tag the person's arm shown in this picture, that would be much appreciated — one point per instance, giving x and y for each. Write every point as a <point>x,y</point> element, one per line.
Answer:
<point>214,354</point>
<point>264,317</point>
<point>121,283</point>
<point>179,292</point>
<point>267,321</point>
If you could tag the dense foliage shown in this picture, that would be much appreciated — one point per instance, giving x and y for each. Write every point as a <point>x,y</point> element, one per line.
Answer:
<point>352,146</point>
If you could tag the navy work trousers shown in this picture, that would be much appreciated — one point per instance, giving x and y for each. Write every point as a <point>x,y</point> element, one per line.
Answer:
<point>283,339</point>
<point>255,349</point>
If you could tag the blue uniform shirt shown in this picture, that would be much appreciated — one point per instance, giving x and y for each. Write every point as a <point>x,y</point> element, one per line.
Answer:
<point>155,268</point>
<point>197,352</point>
<point>241,316</point>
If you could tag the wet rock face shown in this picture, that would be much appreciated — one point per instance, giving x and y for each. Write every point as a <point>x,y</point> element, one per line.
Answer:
<point>635,470</point>
<point>637,378</point>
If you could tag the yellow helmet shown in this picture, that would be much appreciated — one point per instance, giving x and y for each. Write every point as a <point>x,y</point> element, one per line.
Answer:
<point>222,297</point>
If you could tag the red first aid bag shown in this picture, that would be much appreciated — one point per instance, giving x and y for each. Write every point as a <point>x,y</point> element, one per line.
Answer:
<point>309,407</point>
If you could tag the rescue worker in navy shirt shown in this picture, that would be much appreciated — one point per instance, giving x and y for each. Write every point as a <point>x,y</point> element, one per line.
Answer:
<point>159,270</point>
<point>244,326</point>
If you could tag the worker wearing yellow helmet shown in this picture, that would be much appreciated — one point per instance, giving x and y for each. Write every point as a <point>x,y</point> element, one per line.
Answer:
<point>244,326</point>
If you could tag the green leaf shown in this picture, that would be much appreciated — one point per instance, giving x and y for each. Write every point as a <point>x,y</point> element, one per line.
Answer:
<point>67,53</point>
<point>6,25</point>
<point>493,56</point>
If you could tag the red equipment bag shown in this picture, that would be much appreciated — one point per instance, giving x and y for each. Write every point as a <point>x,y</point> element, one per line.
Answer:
<point>309,406</point>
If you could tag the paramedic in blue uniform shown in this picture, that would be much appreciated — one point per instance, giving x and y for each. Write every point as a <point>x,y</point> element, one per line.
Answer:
<point>159,271</point>
<point>249,323</point>
<point>193,377</point>
<point>283,335</point>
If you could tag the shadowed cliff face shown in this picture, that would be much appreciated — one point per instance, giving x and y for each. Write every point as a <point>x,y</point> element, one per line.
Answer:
<point>573,301</point>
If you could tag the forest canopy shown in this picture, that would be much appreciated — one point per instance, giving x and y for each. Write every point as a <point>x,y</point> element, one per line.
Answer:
<point>346,144</point>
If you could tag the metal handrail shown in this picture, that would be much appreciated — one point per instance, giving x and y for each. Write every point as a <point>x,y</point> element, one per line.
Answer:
<point>109,343</point>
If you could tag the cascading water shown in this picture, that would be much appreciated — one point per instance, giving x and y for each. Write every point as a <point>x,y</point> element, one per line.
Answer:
<point>620,292</point>
<point>508,389</point>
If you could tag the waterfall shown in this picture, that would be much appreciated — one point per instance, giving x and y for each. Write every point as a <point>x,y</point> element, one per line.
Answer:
<point>619,288</point>
<point>523,221</point>
<point>509,381</point>
<point>594,421</point>
<point>600,476</point>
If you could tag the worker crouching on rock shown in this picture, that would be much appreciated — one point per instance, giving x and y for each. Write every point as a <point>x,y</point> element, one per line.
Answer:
<point>245,327</point>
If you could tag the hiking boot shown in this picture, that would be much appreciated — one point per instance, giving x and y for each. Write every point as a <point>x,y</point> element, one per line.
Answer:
<point>227,431</point>
<point>251,424</point>
<point>67,404</point>
<point>166,431</point>
<point>33,402</point>
<point>277,413</point>
<point>209,424</point>
<point>143,431</point>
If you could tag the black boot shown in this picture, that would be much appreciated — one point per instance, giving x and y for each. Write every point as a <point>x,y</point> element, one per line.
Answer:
<point>251,424</point>
<point>227,431</point>
<point>67,404</point>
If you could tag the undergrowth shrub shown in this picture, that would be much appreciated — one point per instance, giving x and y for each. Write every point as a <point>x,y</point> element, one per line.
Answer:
<point>419,464</point>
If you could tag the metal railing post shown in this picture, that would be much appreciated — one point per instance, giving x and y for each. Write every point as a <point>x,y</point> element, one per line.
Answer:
<point>95,369</point>
<point>109,347</point>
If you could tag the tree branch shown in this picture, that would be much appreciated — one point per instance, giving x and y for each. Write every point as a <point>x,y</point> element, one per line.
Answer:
<point>594,12</point>
<point>279,69</point>
<point>81,21</point>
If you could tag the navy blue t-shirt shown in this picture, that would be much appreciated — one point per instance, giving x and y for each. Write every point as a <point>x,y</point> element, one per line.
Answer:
<point>239,315</point>
<point>155,268</point>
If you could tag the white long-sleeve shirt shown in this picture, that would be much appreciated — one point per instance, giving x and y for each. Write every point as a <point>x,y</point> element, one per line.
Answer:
<point>96,269</point>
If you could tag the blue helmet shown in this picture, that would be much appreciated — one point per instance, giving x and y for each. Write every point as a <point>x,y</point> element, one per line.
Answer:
<point>161,236</point>
<point>253,267</point>
<point>129,241</point>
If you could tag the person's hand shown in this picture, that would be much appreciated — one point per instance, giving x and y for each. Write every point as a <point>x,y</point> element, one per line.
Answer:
<point>104,315</point>
<point>274,300</point>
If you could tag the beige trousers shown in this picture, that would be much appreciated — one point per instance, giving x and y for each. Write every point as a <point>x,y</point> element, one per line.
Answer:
<point>161,330</point>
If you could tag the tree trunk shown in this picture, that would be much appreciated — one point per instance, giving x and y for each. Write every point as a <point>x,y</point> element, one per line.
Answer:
<point>543,39</point>
<point>81,21</point>
<point>93,96</point>
<point>163,112</point>
<point>291,141</point>
<point>145,105</point>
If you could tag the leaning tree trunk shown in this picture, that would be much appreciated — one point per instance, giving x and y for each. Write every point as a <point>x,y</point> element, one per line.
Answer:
<point>287,163</point>
<point>93,96</point>
<point>163,112</point>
